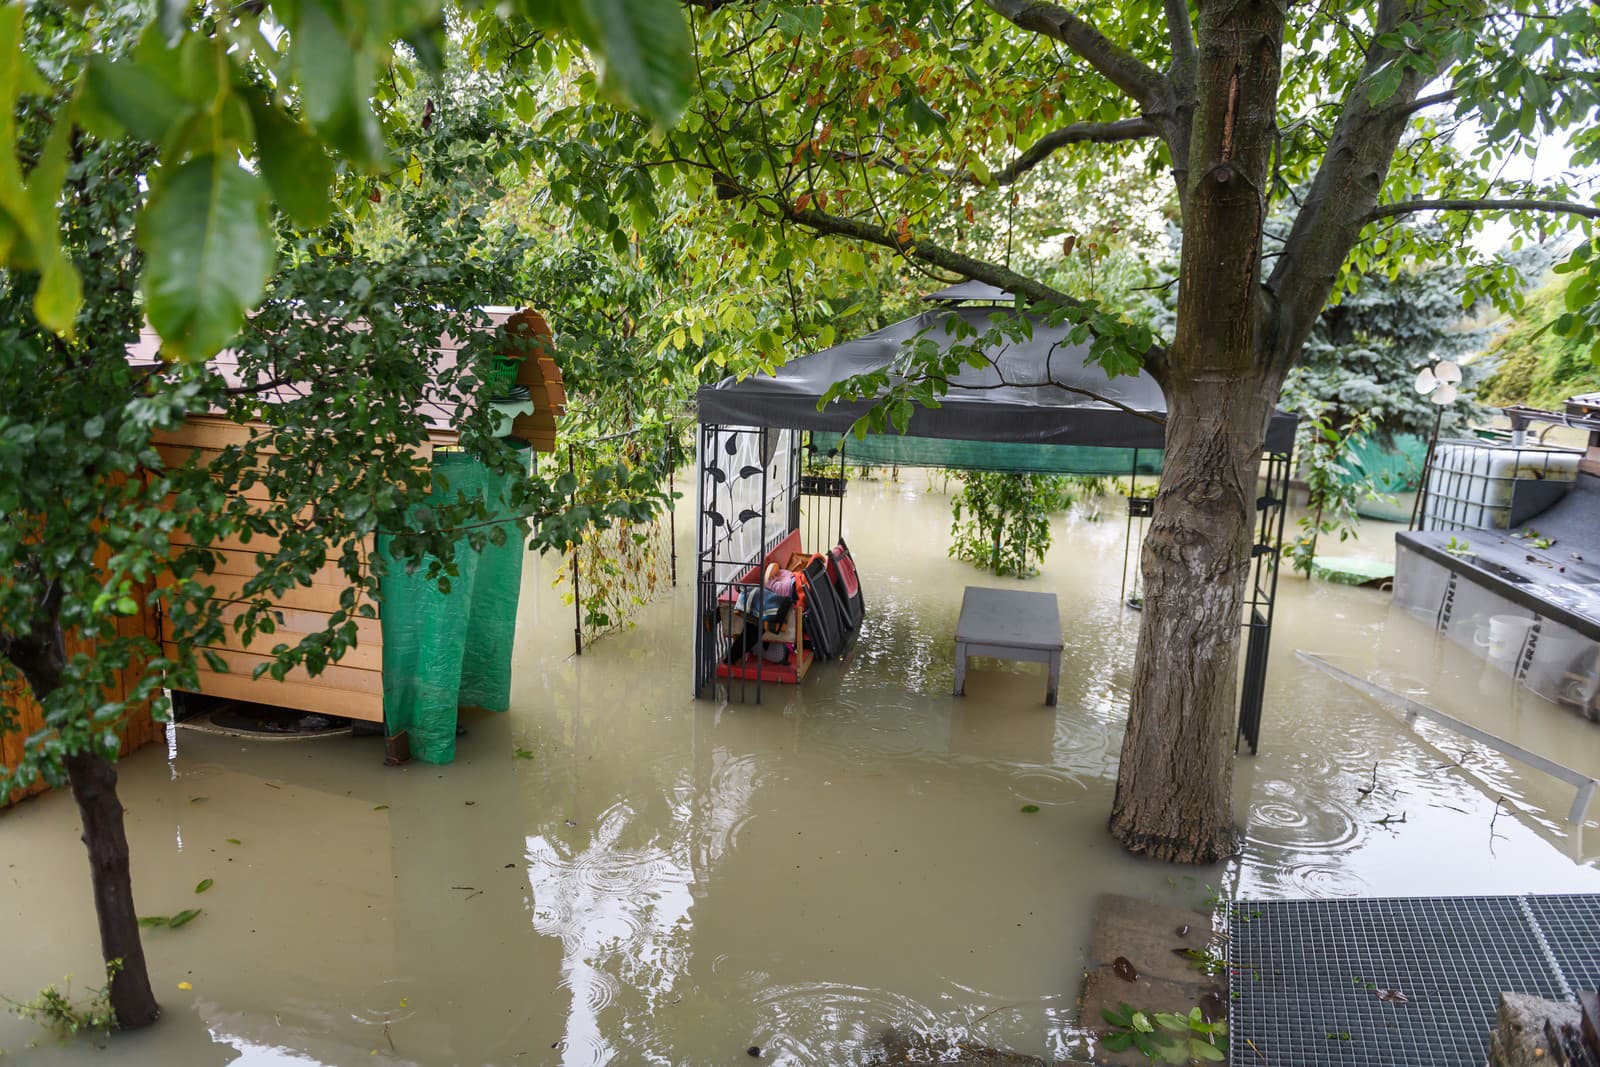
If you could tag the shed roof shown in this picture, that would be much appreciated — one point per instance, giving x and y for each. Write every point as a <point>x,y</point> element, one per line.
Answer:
<point>439,406</point>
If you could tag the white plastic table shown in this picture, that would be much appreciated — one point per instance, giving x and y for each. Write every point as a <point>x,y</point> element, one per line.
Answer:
<point>1009,624</point>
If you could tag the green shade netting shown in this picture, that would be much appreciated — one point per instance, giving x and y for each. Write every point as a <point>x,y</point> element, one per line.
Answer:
<point>443,651</point>
<point>886,450</point>
<point>1393,468</point>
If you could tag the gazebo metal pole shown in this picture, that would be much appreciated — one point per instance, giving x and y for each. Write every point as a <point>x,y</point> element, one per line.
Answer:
<point>672,502</point>
<point>1127,535</point>
<point>577,598</point>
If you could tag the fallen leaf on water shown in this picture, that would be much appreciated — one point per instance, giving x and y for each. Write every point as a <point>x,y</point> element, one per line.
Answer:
<point>380,807</point>
<point>205,883</point>
<point>198,800</point>
<point>183,917</point>
<point>234,841</point>
<point>1123,969</point>
<point>185,985</point>
<point>1030,808</point>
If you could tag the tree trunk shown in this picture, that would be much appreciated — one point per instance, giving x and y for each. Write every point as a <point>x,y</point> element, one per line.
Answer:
<point>41,656</point>
<point>1175,782</point>
<point>94,786</point>
<point>1175,779</point>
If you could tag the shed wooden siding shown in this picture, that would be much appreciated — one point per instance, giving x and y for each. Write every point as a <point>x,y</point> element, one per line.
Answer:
<point>351,688</point>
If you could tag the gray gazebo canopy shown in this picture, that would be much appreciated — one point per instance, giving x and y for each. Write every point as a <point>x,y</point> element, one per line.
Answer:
<point>1010,403</point>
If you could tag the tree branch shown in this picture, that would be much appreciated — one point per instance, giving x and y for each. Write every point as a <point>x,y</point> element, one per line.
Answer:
<point>1345,189</point>
<point>1077,133</point>
<point>1116,64</point>
<point>1423,102</point>
<point>1004,278</point>
<point>1406,207</point>
<point>1180,28</point>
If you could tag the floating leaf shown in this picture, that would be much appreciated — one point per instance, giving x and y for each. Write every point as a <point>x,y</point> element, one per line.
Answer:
<point>205,883</point>
<point>155,920</point>
<point>185,985</point>
<point>380,807</point>
<point>183,917</point>
<point>1030,808</point>
<point>1124,969</point>
<point>234,841</point>
<point>1120,1041</point>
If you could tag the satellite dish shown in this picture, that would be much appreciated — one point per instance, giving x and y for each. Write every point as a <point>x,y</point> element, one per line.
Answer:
<point>1426,382</point>
<point>1447,372</point>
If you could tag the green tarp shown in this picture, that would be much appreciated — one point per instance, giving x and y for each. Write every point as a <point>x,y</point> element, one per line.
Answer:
<point>443,651</point>
<point>897,450</point>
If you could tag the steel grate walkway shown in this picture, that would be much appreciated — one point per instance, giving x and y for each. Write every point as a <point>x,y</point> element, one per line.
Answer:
<point>1400,981</point>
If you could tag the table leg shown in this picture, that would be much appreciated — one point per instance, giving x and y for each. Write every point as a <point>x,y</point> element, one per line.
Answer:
<point>1055,679</point>
<point>961,668</point>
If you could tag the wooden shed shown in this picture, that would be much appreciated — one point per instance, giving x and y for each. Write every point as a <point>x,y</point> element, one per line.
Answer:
<point>353,687</point>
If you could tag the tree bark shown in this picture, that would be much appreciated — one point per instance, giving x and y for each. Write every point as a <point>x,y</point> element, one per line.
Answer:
<point>41,657</point>
<point>1174,798</point>
<point>1175,780</point>
<point>94,786</point>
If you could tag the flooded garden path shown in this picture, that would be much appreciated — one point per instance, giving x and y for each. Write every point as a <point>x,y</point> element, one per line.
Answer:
<point>614,872</point>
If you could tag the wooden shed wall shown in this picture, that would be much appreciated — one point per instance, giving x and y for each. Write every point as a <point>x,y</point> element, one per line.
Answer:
<point>353,687</point>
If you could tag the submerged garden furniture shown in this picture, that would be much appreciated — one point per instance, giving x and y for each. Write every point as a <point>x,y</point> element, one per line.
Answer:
<point>1009,624</point>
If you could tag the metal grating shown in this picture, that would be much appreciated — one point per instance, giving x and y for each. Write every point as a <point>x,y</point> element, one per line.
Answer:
<point>1571,925</point>
<point>1306,974</point>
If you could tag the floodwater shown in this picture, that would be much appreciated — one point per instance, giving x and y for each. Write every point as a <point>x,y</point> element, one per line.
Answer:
<point>614,872</point>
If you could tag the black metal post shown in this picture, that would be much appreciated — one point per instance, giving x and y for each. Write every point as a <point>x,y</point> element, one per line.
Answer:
<point>577,591</point>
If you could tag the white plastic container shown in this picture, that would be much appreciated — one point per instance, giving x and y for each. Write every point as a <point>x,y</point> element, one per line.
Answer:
<point>1472,484</point>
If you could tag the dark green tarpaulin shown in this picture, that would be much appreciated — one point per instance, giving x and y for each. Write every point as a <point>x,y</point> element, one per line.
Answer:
<point>443,651</point>
<point>888,450</point>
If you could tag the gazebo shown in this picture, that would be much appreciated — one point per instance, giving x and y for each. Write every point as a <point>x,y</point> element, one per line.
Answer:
<point>1037,403</point>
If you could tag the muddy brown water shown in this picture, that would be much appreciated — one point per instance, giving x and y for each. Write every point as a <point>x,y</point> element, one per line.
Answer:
<point>657,880</point>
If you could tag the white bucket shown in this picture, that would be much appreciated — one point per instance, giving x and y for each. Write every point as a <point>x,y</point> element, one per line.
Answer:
<point>1504,636</point>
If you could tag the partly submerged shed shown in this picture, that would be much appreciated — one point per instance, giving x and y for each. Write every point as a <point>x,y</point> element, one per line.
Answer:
<point>423,652</point>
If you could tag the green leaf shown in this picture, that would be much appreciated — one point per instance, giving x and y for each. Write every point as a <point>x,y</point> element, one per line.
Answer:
<point>59,297</point>
<point>205,883</point>
<point>155,920</point>
<point>132,96</point>
<point>234,841</point>
<point>297,170</point>
<point>646,48</point>
<point>336,83</point>
<point>209,252</point>
<point>1120,1041</point>
<point>183,917</point>
<point>1030,808</point>
<point>1205,1050</point>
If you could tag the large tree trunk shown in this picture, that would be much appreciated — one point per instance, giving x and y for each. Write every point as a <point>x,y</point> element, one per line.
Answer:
<point>41,657</point>
<point>94,786</point>
<point>1175,779</point>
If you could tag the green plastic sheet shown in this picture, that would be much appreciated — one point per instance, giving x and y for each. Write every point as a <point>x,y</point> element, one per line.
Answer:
<point>445,651</point>
<point>890,450</point>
